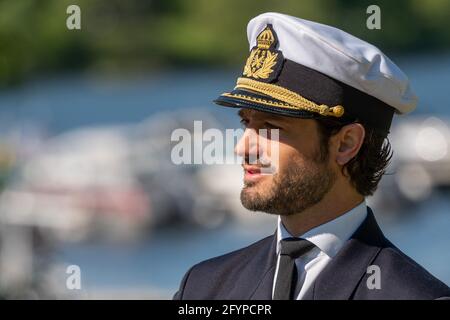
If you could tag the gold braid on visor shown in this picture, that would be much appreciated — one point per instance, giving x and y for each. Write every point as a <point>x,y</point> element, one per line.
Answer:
<point>292,100</point>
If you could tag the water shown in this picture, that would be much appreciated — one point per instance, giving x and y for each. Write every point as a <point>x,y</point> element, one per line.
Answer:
<point>161,260</point>
<point>69,102</point>
<point>64,103</point>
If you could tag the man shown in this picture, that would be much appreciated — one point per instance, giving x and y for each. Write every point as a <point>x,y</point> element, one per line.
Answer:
<point>332,98</point>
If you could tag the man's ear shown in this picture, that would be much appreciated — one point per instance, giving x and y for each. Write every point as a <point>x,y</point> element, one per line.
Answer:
<point>348,142</point>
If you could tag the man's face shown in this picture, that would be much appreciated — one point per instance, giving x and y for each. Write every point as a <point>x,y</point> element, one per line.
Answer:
<point>301,175</point>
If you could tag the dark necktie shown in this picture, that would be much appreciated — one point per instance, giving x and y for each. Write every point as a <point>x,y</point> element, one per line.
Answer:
<point>291,249</point>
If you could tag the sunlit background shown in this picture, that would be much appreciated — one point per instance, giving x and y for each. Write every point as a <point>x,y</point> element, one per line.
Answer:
<point>86,117</point>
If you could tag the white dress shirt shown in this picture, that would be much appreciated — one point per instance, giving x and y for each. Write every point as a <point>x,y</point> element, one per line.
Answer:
<point>328,239</point>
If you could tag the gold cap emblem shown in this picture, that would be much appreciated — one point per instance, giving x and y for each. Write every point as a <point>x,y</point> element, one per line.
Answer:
<point>264,62</point>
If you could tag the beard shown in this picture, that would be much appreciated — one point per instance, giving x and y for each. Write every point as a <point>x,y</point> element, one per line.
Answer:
<point>292,191</point>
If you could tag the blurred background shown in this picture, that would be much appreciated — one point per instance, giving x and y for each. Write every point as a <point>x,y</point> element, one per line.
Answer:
<point>86,118</point>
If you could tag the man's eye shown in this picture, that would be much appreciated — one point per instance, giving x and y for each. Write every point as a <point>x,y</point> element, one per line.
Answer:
<point>244,123</point>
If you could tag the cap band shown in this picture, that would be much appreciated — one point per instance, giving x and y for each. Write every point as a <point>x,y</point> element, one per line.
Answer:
<point>293,99</point>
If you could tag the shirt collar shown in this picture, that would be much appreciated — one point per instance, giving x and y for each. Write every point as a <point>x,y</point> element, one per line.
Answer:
<point>331,236</point>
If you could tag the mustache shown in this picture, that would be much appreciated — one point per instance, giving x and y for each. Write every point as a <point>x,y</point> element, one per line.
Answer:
<point>258,165</point>
<point>257,162</point>
<point>263,168</point>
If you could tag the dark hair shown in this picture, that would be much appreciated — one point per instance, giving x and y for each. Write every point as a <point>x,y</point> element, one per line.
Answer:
<point>369,165</point>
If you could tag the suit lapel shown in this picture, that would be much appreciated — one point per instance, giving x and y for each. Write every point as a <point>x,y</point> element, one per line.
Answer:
<point>342,275</point>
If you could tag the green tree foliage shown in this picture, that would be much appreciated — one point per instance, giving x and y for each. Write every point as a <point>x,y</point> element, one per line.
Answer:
<point>137,35</point>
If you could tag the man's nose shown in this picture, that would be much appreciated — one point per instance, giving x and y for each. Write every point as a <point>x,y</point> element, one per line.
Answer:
<point>248,144</point>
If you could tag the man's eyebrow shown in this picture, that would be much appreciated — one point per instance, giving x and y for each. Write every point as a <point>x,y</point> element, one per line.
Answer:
<point>241,113</point>
<point>277,117</point>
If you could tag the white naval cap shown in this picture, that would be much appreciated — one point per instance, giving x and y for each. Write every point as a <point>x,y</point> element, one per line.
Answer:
<point>338,55</point>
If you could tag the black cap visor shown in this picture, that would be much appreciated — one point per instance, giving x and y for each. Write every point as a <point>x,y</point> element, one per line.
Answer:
<point>256,101</point>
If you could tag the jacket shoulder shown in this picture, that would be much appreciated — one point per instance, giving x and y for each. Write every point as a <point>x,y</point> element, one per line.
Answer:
<point>205,278</point>
<point>401,278</point>
<point>237,254</point>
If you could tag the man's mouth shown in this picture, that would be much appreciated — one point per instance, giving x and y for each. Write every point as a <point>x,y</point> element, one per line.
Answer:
<point>253,173</point>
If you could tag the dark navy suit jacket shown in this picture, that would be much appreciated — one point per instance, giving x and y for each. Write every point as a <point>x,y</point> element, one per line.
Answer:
<point>248,273</point>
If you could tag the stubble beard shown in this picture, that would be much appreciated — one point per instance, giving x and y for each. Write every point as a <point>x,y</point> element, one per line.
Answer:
<point>297,189</point>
